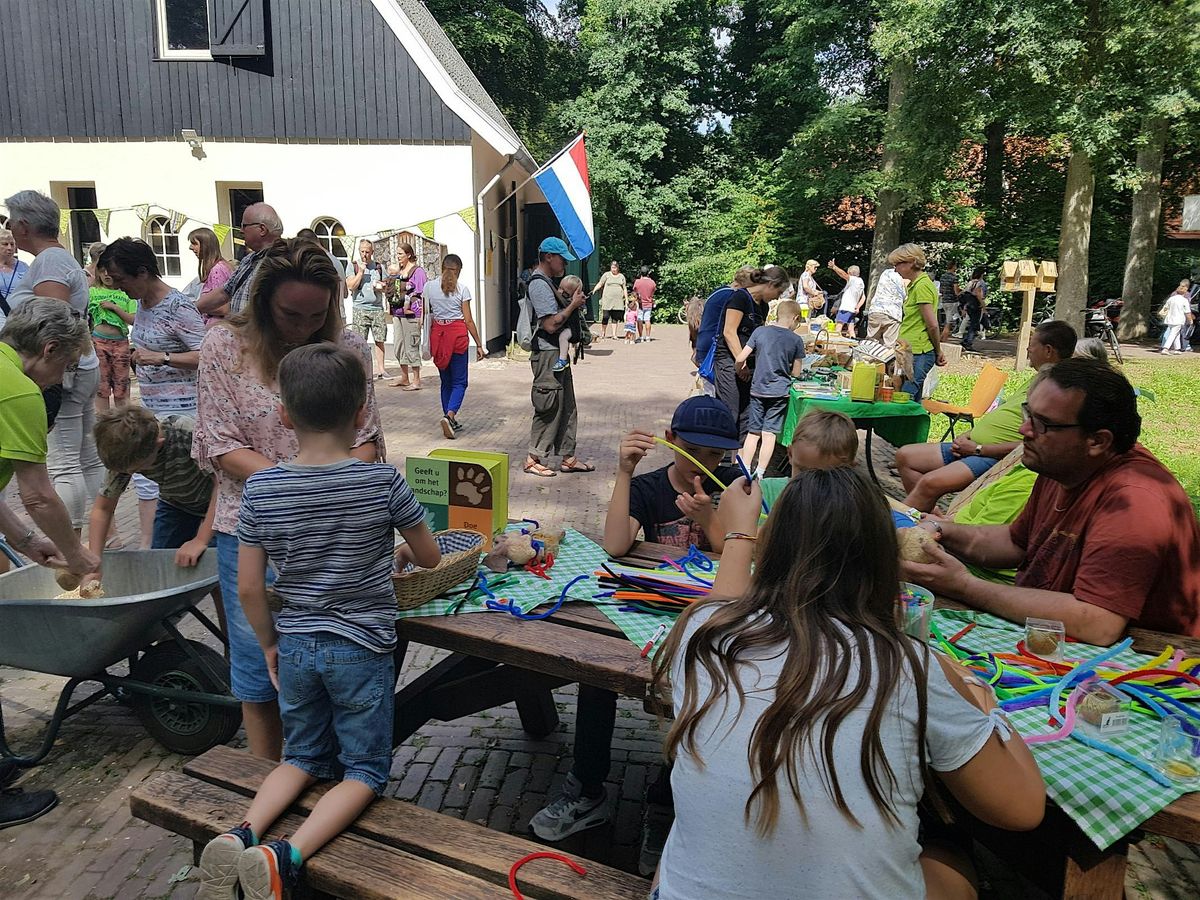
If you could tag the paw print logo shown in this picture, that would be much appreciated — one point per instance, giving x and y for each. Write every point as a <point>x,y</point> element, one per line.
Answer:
<point>473,486</point>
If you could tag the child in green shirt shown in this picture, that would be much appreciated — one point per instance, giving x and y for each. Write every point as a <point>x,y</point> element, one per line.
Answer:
<point>111,313</point>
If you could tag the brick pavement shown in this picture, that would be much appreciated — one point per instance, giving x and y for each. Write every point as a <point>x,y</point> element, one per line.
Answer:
<point>483,767</point>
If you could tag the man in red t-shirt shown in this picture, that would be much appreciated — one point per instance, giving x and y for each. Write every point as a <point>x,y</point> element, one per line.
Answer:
<point>1108,538</point>
<point>644,286</point>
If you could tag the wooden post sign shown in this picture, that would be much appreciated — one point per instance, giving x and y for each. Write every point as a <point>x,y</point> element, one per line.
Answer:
<point>1027,278</point>
<point>461,489</point>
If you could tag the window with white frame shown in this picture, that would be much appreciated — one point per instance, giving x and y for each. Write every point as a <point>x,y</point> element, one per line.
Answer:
<point>332,236</point>
<point>182,29</point>
<point>165,244</point>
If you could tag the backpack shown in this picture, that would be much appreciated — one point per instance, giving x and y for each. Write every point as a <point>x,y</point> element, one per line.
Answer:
<point>526,324</point>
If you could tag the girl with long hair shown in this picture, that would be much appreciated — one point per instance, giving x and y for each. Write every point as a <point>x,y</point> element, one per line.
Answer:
<point>448,304</point>
<point>295,299</point>
<point>807,723</point>
<point>215,270</point>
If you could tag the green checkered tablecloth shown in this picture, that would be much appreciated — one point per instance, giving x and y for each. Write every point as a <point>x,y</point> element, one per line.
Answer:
<point>637,626</point>
<point>577,555</point>
<point>1107,798</point>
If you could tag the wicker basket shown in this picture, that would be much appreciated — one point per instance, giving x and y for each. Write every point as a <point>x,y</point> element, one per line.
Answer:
<point>461,552</point>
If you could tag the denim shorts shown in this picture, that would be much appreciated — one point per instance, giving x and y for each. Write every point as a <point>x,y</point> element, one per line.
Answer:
<point>977,464</point>
<point>336,700</point>
<point>767,415</point>
<point>645,315</point>
<point>247,667</point>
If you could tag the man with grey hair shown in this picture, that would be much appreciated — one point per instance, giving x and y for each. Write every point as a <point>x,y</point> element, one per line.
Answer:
<point>261,227</point>
<point>853,296</point>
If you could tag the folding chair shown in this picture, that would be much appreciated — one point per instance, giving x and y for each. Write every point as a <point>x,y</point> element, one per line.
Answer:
<point>983,395</point>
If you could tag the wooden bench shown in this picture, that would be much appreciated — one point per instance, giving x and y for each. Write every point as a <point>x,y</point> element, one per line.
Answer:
<point>394,850</point>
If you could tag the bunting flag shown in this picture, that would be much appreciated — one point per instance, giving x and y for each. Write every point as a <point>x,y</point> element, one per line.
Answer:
<point>221,231</point>
<point>426,228</point>
<point>177,220</point>
<point>64,220</point>
<point>143,210</point>
<point>102,216</point>
<point>468,215</point>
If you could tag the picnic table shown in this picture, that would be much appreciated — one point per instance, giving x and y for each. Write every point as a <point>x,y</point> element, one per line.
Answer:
<point>896,423</point>
<point>497,658</point>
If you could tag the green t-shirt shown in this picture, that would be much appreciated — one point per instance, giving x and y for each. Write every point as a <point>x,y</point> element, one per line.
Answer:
<point>22,416</point>
<point>181,482</point>
<point>612,294</point>
<point>998,503</point>
<point>912,325</point>
<point>1002,425</point>
<point>98,295</point>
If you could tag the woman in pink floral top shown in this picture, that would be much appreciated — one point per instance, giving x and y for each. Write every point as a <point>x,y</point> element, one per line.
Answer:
<point>295,301</point>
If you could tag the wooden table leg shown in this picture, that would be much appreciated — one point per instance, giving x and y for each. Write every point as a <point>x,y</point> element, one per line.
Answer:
<point>1093,874</point>
<point>539,715</point>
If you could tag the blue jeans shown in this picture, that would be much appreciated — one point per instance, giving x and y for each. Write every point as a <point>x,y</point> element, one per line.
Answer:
<point>922,363</point>
<point>174,527</point>
<point>249,680</point>
<point>336,701</point>
<point>454,383</point>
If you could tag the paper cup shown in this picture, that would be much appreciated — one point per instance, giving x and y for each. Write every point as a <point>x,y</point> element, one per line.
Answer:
<point>914,610</point>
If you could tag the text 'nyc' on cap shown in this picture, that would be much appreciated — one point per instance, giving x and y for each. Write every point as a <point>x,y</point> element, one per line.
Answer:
<point>555,245</point>
<point>705,422</point>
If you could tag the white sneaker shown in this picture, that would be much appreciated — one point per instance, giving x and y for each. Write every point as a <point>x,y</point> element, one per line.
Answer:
<point>569,813</point>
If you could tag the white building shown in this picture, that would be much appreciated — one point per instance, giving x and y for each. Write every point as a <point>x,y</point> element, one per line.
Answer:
<point>351,117</point>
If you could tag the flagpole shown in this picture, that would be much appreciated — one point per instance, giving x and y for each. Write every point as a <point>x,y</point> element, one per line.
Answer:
<point>571,143</point>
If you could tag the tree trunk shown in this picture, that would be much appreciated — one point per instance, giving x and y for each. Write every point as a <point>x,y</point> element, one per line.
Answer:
<point>1074,239</point>
<point>993,166</point>
<point>889,206</point>
<point>1143,233</point>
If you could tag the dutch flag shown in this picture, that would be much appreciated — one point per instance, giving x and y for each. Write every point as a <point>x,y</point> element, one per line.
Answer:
<point>564,184</point>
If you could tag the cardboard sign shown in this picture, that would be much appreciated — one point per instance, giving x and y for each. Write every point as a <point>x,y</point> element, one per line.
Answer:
<point>461,489</point>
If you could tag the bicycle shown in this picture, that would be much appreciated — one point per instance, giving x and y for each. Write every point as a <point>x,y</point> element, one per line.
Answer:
<point>1098,322</point>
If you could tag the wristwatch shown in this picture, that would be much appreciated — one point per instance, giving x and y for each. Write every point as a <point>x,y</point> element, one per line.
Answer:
<point>167,362</point>
<point>978,449</point>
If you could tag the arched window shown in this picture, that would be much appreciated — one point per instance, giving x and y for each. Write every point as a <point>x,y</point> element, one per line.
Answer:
<point>165,244</point>
<point>331,233</point>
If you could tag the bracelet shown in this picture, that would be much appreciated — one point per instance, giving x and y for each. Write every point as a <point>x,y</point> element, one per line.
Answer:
<point>740,536</point>
<point>23,541</point>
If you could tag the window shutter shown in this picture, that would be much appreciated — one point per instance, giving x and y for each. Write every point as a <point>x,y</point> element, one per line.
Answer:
<point>237,27</point>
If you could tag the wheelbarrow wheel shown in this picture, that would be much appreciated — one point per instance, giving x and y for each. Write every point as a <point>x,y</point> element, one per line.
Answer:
<point>184,726</point>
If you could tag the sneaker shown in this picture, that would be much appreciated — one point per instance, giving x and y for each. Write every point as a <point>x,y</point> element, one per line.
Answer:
<point>569,813</point>
<point>560,364</point>
<point>19,806</point>
<point>219,864</point>
<point>455,424</point>
<point>656,825</point>
<point>266,872</point>
<point>448,427</point>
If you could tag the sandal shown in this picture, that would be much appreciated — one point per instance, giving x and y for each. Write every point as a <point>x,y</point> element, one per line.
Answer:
<point>575,466</point>
<point>536,468</point>
<point>398,383</point>
<point>411,387</point>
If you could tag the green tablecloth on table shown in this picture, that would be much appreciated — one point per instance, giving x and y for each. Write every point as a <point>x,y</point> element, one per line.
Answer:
<point>896,423</point>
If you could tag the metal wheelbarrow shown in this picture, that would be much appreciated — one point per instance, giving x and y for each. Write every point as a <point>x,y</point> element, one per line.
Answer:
<point>178,688</point>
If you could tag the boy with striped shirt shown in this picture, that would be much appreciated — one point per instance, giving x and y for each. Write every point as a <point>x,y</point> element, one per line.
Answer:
<point>327,522</point>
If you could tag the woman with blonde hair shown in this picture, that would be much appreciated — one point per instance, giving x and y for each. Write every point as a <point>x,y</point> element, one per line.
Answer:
<point>215,270</point>
<point>448,304</point>
<point>812,296</point>
<point>919,324</point>
<point>406,293</point>
<point>294,300</point>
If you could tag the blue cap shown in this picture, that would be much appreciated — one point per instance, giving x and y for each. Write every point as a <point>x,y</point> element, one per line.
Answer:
<point>555,245</point>
<point>706,422</point>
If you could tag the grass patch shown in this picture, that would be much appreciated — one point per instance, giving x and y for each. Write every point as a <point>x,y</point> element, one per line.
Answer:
<point>1170,423</point>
